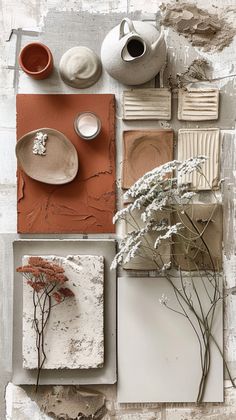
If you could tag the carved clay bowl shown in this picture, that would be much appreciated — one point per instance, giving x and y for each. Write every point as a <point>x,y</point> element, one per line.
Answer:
<point>59,165</point>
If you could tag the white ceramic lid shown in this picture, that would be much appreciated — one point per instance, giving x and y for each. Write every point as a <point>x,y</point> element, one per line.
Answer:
<point>80,67</point>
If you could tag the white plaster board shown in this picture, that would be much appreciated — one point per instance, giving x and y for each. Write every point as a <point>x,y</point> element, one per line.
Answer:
<point>104,375</point>
<point>74,336</point>
<point>158,353</point>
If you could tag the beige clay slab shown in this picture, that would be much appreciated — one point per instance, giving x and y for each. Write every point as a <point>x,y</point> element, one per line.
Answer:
<point>147,104</point>
<point>200,244</point>
<point>196,104</point>
<point>143,150</point>
<point>58,166</point>
<point>200,142</point>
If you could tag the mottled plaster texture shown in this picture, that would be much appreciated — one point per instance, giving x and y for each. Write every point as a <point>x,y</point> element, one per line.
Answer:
<point>74,336</point>
<point>87,204</point>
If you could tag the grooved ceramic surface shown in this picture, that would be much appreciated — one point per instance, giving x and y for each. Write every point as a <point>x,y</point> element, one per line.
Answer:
<point>74,336</point>
<point>143,150</point>
<point>200,142</point>
<point>158,352</point>
<point>87,204</point>
<point>198,104</point>
<point>147,104</point>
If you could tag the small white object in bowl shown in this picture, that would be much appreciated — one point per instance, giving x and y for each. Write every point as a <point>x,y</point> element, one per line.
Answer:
<point>87,125</point>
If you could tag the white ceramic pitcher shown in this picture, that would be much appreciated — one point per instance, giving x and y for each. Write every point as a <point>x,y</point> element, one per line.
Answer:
<point>133,52</point>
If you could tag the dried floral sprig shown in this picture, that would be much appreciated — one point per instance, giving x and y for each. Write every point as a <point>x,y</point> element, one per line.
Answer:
<point>159,192</point>
<point>46,279</point>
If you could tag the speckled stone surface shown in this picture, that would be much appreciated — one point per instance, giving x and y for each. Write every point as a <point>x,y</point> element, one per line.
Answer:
<point>74,336</point>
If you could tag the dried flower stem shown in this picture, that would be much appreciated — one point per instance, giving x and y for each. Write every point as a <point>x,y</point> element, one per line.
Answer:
<point>153,193</point>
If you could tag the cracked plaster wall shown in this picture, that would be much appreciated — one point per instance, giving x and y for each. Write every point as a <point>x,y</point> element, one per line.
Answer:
<point>32,15</point>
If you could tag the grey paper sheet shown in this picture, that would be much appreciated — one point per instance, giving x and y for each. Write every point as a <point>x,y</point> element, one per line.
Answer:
<point>158,353</point>
<point>104,375</point>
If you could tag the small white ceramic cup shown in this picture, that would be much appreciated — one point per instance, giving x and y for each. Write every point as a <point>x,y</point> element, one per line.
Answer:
<point>87,125</point>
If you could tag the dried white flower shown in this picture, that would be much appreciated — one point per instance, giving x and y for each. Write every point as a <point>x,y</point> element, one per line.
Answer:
<point>163,300</point>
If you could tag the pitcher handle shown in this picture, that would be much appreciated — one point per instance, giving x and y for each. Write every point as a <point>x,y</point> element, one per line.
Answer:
<point>122,25</point>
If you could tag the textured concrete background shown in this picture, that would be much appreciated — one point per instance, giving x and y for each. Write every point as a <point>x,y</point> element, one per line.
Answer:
<point>60,24</point>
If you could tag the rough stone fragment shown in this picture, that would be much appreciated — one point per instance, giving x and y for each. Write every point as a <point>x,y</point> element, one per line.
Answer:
<point>202,28</point>
<point>74,336</point>
<point>71,403</point>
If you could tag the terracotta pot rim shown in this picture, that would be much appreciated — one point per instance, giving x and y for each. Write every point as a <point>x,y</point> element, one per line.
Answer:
<point>30,45</point>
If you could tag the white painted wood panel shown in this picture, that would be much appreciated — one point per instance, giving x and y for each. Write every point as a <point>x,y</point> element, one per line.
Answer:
<point>158,352</point>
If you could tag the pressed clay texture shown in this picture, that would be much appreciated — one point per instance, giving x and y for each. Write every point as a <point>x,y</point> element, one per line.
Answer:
<point>80,67</point>
<point>143,150</point>
<point>86,204</point>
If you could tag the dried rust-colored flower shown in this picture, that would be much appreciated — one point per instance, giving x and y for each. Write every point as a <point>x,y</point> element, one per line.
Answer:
<point>66,292</point>
<point>57,296</point>
<point>46,279</point>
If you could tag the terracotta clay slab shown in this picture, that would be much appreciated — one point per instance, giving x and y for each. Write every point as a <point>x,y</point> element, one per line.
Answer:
<point>200,142</point>
<point>143,150</point>
<point>198,104</point>
<point>74,337</point>
<point>144,261</point>
<point>207,218</point>
<point>102,248</point>
<point>147,104</point>
<point>87,204</point>
<point>158,352</point>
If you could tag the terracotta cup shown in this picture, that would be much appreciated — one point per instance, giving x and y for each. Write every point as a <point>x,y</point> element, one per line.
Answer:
<point>36,60</point>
